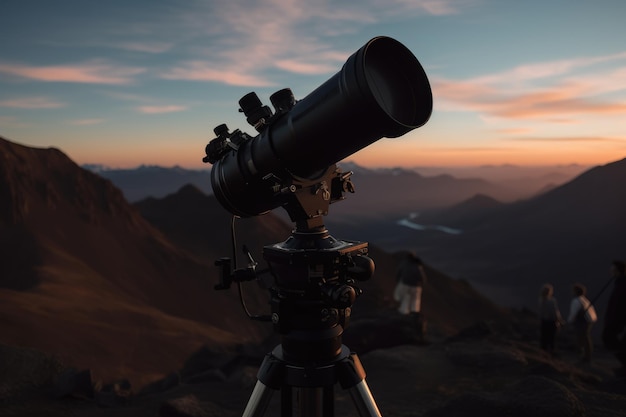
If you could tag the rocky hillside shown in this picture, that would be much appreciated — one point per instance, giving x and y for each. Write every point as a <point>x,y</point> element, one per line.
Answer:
<point>85,277</point>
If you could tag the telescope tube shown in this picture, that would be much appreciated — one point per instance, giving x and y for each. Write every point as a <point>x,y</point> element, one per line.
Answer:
<point>381,91</point>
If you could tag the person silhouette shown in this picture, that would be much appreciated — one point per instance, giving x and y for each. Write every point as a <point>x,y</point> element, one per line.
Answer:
<point>550,318</point>
<point>614,327</point>
<point>582,316</point>
<point>411,278</point>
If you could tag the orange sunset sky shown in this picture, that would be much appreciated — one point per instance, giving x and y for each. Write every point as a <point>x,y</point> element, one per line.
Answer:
<point>128,83</point>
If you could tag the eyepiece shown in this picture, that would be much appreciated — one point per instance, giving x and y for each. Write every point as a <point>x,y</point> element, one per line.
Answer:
<point>256,113</point>
<point>283,100</point>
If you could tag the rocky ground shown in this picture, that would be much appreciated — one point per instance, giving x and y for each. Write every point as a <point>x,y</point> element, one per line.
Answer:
<point>493,368</point>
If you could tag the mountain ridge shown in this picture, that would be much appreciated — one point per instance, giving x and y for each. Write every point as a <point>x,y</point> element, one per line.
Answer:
<point>431,185</point>
<point>568,234</point>
<point>78,262</point>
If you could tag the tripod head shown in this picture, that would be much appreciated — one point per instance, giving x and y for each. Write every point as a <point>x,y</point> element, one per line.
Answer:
<point>315,275</point>
<point>316,280</point>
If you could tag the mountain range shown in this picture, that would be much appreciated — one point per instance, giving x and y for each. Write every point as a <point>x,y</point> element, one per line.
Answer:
<point>151,180</point>
<point>429,186</point>
<point>568,234</point>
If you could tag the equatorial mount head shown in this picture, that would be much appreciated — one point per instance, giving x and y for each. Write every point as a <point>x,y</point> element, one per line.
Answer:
<point>315,286</point>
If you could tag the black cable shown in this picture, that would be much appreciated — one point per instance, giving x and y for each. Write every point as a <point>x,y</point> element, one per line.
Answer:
<point>239,286</point>
<point>233,240</point>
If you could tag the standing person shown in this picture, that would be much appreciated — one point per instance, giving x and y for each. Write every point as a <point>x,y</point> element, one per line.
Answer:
<point>411,279</point>
<point>550,318</point>
<point>582,316</point>
<point>615,317</point>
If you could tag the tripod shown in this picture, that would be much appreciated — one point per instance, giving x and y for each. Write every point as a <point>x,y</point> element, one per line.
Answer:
<point>311,316</point>
<point>313,386</point>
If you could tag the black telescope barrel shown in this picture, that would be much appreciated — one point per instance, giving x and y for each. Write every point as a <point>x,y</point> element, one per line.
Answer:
<point>381,91</point>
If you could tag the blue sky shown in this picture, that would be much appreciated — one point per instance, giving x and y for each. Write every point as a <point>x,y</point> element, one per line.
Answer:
<point>124,83</point>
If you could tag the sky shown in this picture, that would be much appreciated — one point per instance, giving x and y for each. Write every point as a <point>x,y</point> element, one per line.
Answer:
<point>124,83</point>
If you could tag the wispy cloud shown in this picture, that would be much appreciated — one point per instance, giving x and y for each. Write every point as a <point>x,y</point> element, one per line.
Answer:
<point>92,72</point>
<point>551,91</point>
<point>549,69</point>
<point>86,122</point>
<point>144,46</point>
<point>244,40</point>
<point>247,40</point>
<point>147,47</point>
<point>205,71</point>
<point>160,109</point>
<point>431,7</point>
<point>32,103</point>
<point>321,63</point>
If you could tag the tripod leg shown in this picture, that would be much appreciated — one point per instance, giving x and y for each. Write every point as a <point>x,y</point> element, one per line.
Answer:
<point>363,400</point>
<point>352,378</point>
<point>269,379</point>
<point>259,400</point>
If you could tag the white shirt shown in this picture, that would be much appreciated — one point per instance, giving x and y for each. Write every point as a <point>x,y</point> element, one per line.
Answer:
<point>578,303</point>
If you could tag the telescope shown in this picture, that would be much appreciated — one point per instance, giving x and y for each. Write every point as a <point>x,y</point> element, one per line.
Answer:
<point>381,91</point>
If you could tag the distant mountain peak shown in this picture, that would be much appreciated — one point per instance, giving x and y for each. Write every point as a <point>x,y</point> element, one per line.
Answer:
<point>190,190</point>
<point>482,199</point>
<point>358,169</point>
<point>153,180</point>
